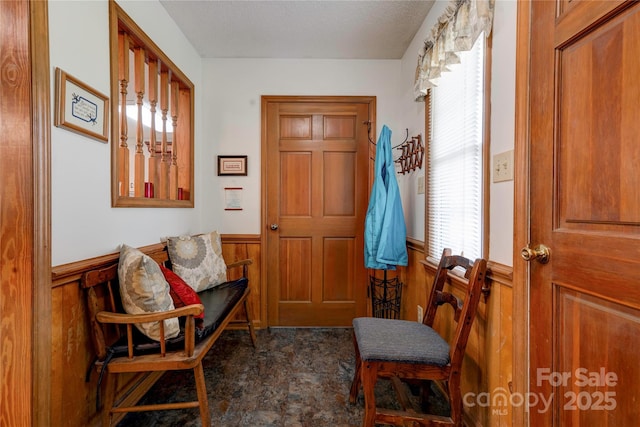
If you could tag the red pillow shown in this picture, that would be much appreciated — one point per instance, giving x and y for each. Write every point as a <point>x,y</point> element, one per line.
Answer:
<point>181,293</point>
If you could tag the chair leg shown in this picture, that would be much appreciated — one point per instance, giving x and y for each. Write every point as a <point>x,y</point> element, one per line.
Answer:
<point>455,401</point>
<point>425,393</point>
<point>369,374</point>
<point>355,384</point>
<point>203,400</point>
<point>109,398</point>
<point>252,332</point>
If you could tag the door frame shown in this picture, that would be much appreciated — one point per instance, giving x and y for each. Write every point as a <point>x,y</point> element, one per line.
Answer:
<point>41,142</point>
<point>521,210</point>
<point>265,100</point>
<point>32,395</point>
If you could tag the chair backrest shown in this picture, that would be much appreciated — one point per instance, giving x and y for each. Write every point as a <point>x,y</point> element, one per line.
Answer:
<point>464,310</point>
<point>102,294</point>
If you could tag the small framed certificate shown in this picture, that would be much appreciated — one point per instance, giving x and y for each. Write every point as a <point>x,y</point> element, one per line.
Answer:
<point>232,165</point>
<point>233,198</point>
<point>80,108</point>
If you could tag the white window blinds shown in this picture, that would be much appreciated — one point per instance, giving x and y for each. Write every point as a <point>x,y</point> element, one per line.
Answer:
<point>455,198</point>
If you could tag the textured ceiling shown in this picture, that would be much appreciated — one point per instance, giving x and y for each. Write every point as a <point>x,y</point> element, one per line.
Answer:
<point>346,29</point>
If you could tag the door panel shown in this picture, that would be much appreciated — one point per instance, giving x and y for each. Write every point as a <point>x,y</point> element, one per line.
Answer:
<point>339,269</point>
<point>585,205</point>
<point>338,190</point>
<point>583,320</point>
<point>295,170</point>
<point>316,160</point>
<point>295,276</point>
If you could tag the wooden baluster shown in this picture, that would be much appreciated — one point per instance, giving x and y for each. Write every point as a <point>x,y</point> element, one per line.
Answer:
<point>139,60</point>
<point>153,100</point>
<point>165,158</point>
<point>123,150</point>
<point>173,171</point>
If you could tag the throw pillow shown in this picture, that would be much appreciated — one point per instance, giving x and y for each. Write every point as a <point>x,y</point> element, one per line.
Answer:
<point>181,293</point>
<point>198,260</point>
<point>143,289</point>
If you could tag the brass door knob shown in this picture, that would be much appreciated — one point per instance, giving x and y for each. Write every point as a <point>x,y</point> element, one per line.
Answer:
<point>540,253</point>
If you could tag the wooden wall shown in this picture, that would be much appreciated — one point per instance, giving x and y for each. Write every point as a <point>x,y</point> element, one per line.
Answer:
<point>488,366</point>
<point>244,246</point>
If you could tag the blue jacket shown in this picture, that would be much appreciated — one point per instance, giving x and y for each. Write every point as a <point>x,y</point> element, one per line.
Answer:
<point>385,233</point>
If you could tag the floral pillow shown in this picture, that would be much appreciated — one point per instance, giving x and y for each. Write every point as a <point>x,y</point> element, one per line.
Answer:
<point>181,293</point>
<point>143,289</point>
<point>198,260</point>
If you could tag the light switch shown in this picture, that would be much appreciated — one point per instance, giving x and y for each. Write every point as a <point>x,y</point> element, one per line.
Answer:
<point>503,166</point>
<point>421,184</point>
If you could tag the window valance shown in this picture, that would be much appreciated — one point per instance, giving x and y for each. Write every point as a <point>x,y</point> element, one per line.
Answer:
<point>456,30</point>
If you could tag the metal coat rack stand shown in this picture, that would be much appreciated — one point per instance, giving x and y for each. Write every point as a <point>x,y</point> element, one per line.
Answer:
<point>386,294</point>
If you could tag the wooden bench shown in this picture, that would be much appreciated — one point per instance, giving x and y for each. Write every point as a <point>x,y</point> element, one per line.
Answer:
<point>120,348</point>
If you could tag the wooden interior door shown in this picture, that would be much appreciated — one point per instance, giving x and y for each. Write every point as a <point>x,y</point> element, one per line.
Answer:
<point>315,153</point>
<point>585,206</point>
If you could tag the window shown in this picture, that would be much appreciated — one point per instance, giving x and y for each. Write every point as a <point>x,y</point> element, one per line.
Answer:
<point>456,121</point>
<point>151,121</point>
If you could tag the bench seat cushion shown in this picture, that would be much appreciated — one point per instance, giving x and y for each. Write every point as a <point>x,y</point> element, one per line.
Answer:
<point>217,301</point>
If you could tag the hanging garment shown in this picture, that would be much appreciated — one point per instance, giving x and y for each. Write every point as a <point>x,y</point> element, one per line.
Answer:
<point>385,233</point>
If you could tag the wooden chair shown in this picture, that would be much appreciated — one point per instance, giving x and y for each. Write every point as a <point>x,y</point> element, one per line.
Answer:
<point>412,351</point>
<point>121,349</point>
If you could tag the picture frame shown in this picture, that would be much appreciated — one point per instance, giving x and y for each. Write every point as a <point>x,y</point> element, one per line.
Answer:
<point>233,198</point>
<point>232,165</point>
<point>80,108</point>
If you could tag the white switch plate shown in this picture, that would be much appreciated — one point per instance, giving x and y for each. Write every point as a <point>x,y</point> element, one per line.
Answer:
<point>503,166</point>
<point>421,184</point>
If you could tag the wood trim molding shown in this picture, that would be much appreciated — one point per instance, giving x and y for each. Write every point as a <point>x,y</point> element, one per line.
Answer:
<point>521,212</point>
<point>65,273</point>
<point>319,98</point>
<point>496,273</point>
<point>415,245</point>
<point>41,142</point>
<point>486,147</point>
<point>72,271</point>
<point>500,273</point>
<point>241,238</point>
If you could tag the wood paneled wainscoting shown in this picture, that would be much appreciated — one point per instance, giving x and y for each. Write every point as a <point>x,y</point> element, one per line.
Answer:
<point>487,370</point>
<point>74,399</point>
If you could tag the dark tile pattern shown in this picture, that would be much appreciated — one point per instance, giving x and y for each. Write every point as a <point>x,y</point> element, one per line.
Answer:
<point>294,378</point>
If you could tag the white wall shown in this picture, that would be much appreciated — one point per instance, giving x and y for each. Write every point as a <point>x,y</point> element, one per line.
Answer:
<point>233,89</point>
<point>83,222</point>
<point>503,110</point>
<point>227,105</point>
<point>502,126</point>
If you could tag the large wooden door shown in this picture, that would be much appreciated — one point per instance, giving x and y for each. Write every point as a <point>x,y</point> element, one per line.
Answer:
<point>316,172</point>
<point>585,206</point>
